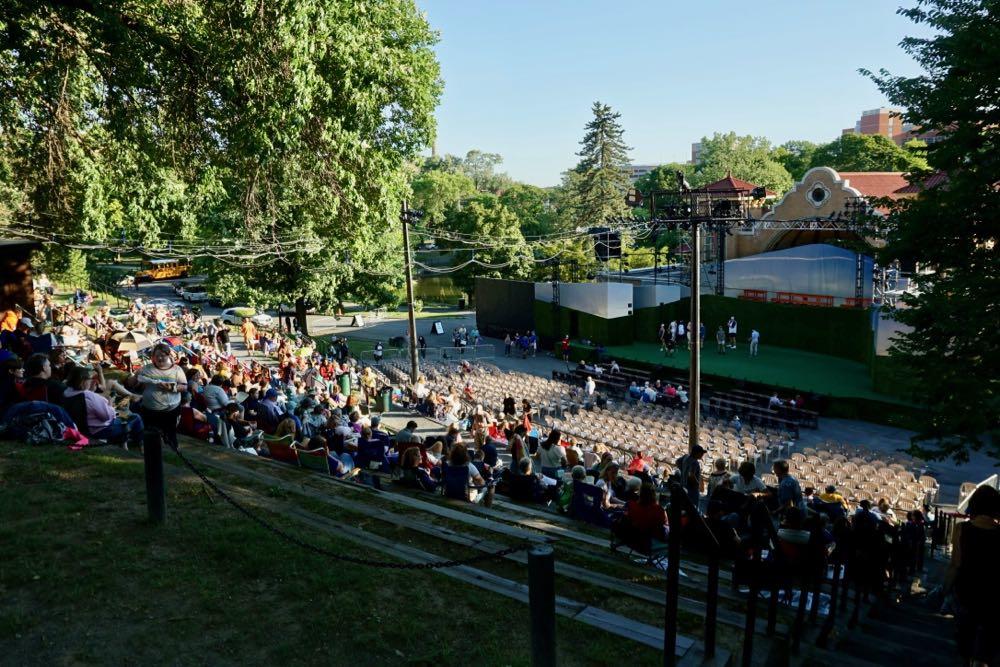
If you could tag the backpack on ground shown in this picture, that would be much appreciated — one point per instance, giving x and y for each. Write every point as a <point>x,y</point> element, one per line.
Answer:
<point>40,428</point>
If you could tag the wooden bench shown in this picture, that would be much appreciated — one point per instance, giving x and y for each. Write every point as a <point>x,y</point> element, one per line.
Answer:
<point>807,418</point>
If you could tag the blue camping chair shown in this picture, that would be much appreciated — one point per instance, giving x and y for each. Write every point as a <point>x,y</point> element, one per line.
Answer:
<point>455,482</point>
<point>371,456</point>
<point>586,504</point>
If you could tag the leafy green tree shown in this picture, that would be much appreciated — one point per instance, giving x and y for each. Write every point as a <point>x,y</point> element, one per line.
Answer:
<point>796,157</point>
<point>748,158</point>
<point>248,122</point>
<point>603,160</point>
<point>505,255</point>
<point>534,206</point>
<point>864,152</point>
<point>482,169</point>
<point>951,231</point>
<point>477,165</point>
<point>437,192</point>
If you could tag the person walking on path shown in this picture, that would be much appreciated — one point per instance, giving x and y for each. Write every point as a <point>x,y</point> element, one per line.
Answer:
<point>754,342</point>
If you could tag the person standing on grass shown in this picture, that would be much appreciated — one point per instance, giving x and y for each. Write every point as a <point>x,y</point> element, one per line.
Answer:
<point>162,383</point>
<point>720,339</point>
<point>701,335</point>
<point>680,332</point>
<point>661,334</point>
<point>731,325</point>
<point>754,342</point>
<point>690,334</point>
<point>673,331</point>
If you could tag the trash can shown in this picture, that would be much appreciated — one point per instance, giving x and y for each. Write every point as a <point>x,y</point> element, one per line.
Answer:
<point>345,384</point>
<point>384,403</point>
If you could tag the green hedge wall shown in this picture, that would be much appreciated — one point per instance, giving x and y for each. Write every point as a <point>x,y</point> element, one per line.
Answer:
<point>840,332</point>
<point>552,323</point>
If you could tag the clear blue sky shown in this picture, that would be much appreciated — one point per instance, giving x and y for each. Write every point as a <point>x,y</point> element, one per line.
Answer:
<point>521,75</point>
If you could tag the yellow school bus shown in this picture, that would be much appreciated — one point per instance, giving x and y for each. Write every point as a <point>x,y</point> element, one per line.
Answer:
<point>162,269</point>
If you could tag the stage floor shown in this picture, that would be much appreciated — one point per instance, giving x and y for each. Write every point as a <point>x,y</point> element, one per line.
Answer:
<point>778,366</point>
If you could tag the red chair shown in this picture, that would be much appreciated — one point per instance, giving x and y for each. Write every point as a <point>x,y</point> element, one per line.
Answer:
<point>282,449</point>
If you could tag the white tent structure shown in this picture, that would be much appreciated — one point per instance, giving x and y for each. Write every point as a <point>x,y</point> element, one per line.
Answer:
<point>818,268</point>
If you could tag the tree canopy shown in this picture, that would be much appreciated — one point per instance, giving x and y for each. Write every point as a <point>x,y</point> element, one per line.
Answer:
<point>221,120</point>
<point>951,231</point>
<point>603,181</point>
<point>865,152</point>
<point>746,157</point>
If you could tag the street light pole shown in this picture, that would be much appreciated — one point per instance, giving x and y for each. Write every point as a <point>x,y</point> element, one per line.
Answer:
<point>405,217</point>
<point>694,379</point>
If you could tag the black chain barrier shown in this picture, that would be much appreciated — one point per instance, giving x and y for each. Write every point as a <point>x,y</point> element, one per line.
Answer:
<point>264,523</point>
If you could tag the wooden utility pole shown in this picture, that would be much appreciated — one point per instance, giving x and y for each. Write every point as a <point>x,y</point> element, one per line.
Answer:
<point>405,216</point>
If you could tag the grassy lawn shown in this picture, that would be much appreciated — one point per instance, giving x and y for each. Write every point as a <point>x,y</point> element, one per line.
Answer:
<point>86,580</point>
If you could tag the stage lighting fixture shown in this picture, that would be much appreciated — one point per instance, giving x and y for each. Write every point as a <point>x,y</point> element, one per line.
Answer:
<point>634,198</point>
<point>682,183</point>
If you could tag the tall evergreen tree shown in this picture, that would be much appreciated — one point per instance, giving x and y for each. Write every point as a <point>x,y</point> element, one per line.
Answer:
<point>602,167</point>
<point>951,231</point>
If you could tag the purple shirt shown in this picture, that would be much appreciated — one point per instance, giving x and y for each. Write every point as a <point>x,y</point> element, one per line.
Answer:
<point>100,414</point>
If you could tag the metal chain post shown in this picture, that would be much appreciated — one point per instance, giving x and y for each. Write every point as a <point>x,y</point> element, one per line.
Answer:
<point>542,601</point>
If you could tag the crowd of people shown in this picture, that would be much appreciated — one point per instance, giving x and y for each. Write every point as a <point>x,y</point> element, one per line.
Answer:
<point>678,333</point>
<point>103,377</point>
<point>190,382</point>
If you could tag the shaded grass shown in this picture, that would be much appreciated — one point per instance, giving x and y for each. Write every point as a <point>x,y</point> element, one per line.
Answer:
<point>86,580</point>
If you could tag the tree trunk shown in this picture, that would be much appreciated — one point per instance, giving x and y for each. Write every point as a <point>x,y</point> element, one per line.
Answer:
<point>301,316</point>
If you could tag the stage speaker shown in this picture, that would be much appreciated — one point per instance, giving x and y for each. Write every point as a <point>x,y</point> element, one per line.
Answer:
<point>607,245</point>
<point>437,328</point>
<point>357,321</point>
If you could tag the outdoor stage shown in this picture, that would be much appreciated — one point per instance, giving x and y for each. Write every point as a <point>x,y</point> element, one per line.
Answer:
<point>774,366</point>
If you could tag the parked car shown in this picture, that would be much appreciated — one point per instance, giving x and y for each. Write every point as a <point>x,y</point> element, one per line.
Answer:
<point>180,286</point>
<point>237,315</point>
<point>165,303</point>
<point>195,294</point>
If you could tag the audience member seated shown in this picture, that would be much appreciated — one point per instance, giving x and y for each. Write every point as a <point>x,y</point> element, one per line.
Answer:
<point>413,473</point>
<point>94,414</point>
<point>645,520</point>
<point>746,480</point>
<point>523,484</point>
<point>193,422</point>
<point>551,456</point>
<point>474,484</point>
<point>38,384</point>
<point>609,484</point>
